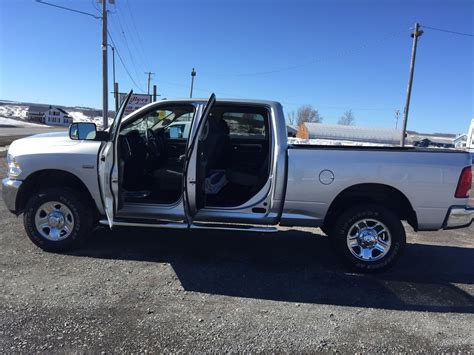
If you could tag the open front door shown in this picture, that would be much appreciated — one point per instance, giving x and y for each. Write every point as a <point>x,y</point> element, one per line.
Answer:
<point>195,166</point>
<point>109,166</point>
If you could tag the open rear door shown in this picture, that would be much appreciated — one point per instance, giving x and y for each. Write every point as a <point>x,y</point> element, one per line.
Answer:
<point>109,169</point>
<point>195,166</point>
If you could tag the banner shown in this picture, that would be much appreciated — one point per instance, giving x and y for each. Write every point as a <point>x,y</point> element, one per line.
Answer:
<point>136,101</point>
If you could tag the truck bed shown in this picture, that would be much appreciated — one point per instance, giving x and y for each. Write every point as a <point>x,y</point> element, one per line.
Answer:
<point>317,174</point>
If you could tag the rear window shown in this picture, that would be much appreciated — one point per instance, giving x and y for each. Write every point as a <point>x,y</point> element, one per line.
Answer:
<point>246,125</point>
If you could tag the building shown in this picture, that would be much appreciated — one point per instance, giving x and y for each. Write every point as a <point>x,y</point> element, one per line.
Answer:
<point>36,113</point>
<point>56,116</point>
<point>470,137</point>
<point>349,134</point>
<point>460,141</point>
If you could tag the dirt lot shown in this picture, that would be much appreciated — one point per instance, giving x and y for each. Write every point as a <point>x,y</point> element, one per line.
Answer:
<point>159,290</point>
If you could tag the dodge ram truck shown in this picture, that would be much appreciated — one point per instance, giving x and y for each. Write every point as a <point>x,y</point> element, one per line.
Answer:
<point>226,164</point>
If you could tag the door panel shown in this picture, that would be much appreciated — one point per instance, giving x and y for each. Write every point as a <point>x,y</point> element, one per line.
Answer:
<point>249,153</point>
<point>194,171</point>
<point>109,168</point>
<point>106,174</point>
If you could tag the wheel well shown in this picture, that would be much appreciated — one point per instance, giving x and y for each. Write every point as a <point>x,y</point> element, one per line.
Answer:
<point>53,178</point>
<point>381,194</point>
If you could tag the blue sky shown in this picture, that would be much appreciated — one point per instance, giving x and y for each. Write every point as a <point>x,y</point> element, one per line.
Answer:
<point>334,55</point>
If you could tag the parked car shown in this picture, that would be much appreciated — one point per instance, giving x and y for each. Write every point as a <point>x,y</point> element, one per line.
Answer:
<point>232,169</point>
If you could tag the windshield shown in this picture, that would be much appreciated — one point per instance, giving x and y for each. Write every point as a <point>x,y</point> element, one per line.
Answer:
<point>161,119</point>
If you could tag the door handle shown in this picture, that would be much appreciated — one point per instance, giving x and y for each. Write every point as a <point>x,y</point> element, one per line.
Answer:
<point>115,181</point>
<point>102,158</point>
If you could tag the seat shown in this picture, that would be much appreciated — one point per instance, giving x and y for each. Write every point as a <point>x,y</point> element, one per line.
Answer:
<point>217,146</point>
<point>246,177</point>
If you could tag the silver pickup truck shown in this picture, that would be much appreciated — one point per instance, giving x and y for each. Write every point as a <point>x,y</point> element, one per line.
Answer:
<point>226,164</point>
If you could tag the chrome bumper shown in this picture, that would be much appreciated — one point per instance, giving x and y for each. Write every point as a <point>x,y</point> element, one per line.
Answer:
<point>10,190</point>
<point>459,217</point>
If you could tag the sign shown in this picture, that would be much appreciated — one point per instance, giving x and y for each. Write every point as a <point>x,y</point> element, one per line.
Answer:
<point>136,101</point>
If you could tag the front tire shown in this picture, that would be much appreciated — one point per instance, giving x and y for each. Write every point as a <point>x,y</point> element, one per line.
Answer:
<point>56,220</point>
<point>369,238</point>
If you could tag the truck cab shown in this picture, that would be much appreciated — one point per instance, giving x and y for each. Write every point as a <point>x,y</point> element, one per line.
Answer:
<point>181,163</point>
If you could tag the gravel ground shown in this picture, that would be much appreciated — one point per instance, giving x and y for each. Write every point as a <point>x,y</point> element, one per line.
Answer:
<point>135,290</point>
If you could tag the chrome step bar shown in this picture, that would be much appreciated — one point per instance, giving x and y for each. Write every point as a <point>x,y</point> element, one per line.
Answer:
<point>173,225</point>
<point>176,225</point>
<point>234,227</point>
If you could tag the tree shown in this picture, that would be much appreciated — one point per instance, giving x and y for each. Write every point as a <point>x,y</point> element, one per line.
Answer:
<point>347,118</point>
<point>307,113</point>
<point>291,117</point>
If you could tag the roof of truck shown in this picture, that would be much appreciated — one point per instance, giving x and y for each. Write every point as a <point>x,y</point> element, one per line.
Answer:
<point>223,100</point>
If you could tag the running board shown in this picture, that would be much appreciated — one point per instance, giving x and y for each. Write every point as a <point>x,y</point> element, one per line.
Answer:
<point>234,227</point>
<point>175,225</point>
<point>147,224</point>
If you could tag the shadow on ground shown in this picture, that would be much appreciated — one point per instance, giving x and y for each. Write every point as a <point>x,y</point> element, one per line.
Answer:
<point>295,266</point>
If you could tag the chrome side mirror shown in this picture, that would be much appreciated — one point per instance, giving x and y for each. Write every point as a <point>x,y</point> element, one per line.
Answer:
<point>83,131</point>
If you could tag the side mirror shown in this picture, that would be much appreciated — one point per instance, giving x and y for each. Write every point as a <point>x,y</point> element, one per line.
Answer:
<point>83,131</point>
<point>175,132</point>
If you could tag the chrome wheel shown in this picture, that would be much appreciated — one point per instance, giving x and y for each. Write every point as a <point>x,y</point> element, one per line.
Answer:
<point>54,220</point>
<point>369,240</point>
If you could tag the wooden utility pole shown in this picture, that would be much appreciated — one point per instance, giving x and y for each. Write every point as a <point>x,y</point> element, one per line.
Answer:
<point>149,73</point>
<point>105,91</point>
<point>116,96</point>
<point>193,74</point>
<point>416,33</point>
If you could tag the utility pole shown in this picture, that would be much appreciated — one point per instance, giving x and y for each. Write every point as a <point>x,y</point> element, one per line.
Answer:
<point>397,116</point>
<point>149,78</point>
<point>154,93</point>
<point>193,74</point>
<point>113,62</point>
<point>116,94</point>
<point>113,74</point>
<point>105,91</point>
<point>416,33</point>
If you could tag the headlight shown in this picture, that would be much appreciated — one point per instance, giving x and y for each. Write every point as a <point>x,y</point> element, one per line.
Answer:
<point>14,169</point>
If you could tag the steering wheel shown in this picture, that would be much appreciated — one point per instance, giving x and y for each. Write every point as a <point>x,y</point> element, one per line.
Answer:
<point>155,144</point>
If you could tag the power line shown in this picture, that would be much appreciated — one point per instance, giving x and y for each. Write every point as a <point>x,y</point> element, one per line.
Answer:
<point>94,5</point>
<point>128,47</point>
<point>449,31</point>
<point>126,28</point>
<point>124,66</point>
<point>69,9</point>
<point>140,42</point>
<point>315,60</point>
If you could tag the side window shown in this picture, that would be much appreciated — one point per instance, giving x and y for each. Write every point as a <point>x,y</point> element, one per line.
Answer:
<point>246,125</point>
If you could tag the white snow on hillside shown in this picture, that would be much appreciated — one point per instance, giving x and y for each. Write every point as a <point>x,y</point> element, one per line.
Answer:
<point>15,114</point>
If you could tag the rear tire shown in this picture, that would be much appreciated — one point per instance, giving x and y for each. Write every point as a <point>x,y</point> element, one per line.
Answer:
<point>57,220</point>
<point>369,238</point>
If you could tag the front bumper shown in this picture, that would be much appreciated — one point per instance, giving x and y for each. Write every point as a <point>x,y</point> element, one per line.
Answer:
<point>459,217</point>
<point>10,190</point>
